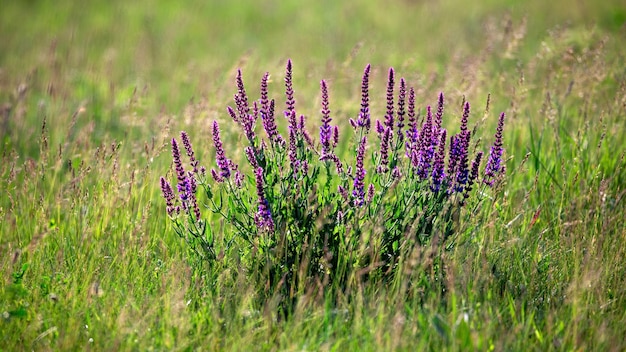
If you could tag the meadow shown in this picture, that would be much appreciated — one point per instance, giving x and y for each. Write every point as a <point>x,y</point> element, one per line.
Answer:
<point>92,94</point>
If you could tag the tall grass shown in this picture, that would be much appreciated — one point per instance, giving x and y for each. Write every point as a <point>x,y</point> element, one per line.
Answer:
<point>90,260</point>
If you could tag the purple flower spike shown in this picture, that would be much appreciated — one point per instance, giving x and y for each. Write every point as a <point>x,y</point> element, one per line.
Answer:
<point>494,167</point>
<point>241,99</point>
<point>401,111</point>
<point>168,194</point>
<point>439,113</point>
<point>178,164</point>
<point>251,157</point>
<point>335,136</point>
<point>473,176</point>
<point>187,144</point>
<point>389,116</point>
<point>438,174</point>
<point>222,162</point>
<point>264,101</point>
<point>269,124</point>
<point>334,158</point>
<point>263,217</point>
<point>466,112</point>
<point>291,102</point>
<point>358,190</point>
<point>383,167</point>
<point>325,129</point>
<point>232,114</point>
<point>363,120</point>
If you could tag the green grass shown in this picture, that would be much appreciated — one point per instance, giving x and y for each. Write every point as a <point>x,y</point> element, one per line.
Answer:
<point>92,93</point>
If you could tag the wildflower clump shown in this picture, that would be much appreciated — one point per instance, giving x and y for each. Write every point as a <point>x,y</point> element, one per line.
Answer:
<point>310,215</point>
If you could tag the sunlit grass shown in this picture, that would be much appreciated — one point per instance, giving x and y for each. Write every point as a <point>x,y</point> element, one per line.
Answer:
<point>91,95</point>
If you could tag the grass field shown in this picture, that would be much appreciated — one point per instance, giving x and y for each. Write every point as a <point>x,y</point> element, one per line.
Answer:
<point>91,95</point>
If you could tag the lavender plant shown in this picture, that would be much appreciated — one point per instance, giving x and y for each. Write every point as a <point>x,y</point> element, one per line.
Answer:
<point>308,217</point>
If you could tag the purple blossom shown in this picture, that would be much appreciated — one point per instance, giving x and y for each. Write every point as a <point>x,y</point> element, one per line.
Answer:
<point>180,170</point>
<point>187,144</point>
<point>305,134</point>
<point>241,99</point>
<point>396,173</point>
<point>291,102</point>
<point>358,190</point>
<point>293,142</point>
<point>216,176</point>
<point>263,217</point>
<point>222,162</point>
<point>494,167</point>
<point>401,111</point>
<point>426,148</point>
<point>264,100</point>
<point>269,124</point>
<point>389,116</point>
<point>335,159</point>
<point>232,114</point>
<point>238,179</point>
<point>363,120</point>
<point>190,190</point>
<point>335,136</point>
<point>251,157</point>
<point>383,166</point>
<point>325,129</point>
<point>412,132</point>
<point>168,194</point>
<point>438,115</point>
<point>473,176</point>
<point>438,174</point>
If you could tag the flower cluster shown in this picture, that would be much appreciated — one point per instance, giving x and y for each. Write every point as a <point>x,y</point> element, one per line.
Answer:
<point>419,169</point>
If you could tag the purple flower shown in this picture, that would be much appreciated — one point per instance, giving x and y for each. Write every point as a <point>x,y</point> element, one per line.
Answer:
<point>358,190</point>
<point>264,100</point>
<point>334,158</point>
<point>335,136</point>
<point>426,148</point>
<point>383,166</point>
<point>263,217</point>
<point>292,151</point>
<point>396,173</point>
<point>180,170</point>
<point>238,179</point>
<point>438,115</point>
<point>412,132</point>
<point>363,120</point>
<point>251,157</point>
<point>438,174</point>
<point>216,176</point>
<point>232,114</point>
<point>187,144</point>
<point>269,124</point>
<point>168,194</point>
<point>222,162</point>
<point>305,134</point>
<point>494,167</point>
<point>241,99</point>
<point>325,129</point>
<point>401,111</point>
<point>473,176</point>
<point>291,102</point>
<point>389,116</point>
<point>190,191</point>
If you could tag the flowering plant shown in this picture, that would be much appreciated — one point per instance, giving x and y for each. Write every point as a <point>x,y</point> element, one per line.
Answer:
<point>310,217</point>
